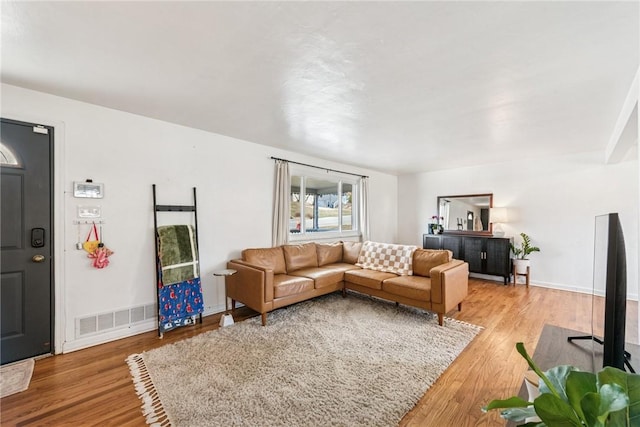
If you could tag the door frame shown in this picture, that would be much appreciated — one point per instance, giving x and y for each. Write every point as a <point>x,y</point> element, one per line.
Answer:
<point>58,179</point>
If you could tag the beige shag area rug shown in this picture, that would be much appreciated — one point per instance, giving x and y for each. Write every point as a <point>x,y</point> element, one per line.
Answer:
<point>331,361</point>
<point>15,377</point>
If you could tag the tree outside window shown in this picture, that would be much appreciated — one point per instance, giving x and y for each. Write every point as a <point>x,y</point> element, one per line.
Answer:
<point>322,206</point>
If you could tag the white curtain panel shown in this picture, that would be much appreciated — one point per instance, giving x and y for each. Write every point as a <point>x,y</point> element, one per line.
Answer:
<point>281,210</point>
<point>363,208</point>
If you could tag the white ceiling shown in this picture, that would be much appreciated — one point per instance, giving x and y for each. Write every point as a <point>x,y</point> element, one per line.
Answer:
<point>400,87</point>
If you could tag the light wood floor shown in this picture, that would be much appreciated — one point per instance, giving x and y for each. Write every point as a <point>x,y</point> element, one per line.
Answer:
<point>93,386</point>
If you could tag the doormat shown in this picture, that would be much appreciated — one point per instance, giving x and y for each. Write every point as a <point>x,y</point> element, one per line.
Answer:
<point>15,377</point>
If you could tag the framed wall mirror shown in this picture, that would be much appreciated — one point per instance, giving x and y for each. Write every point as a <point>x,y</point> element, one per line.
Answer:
<point>466,214</point>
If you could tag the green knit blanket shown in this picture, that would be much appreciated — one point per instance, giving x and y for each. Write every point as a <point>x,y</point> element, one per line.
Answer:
<point>178,253</point>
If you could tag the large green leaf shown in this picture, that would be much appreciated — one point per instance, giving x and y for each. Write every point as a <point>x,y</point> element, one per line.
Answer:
<point>558,377</point>
<point>598,406</point>
<point>613,398</point>
<point>555,412</point>
<point>633,391</point>
<point>611,375</point>
<point>630,383</point>
<point>512,402</point>
<point>619,419</point>
<point>590,408</point>
<point>518,414</point>
<point>534,367</point>
<point>579,384</point>
<point>515,408</point>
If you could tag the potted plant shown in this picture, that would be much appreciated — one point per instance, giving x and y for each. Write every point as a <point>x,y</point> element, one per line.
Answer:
<point>522,252</point>
<point>435,227</point>
<point>570,397</point>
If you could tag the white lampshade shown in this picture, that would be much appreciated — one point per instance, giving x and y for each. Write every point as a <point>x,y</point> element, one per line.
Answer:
<point>498,215</point>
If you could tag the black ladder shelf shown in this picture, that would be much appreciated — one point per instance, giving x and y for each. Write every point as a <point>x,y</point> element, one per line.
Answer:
<point>172,208</point>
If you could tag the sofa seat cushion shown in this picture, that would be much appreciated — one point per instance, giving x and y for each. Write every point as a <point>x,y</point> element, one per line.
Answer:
<point>367,278</point>
<point>343,266</point>
<point>322,277</point>
<point>414,287</point>
<point>285,285</point>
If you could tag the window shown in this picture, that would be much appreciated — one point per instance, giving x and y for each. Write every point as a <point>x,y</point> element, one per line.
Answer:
<point>322,205</point>
<point>7,157</point>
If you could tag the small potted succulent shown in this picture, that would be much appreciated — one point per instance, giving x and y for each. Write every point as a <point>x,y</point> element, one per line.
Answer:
<point>521,253</point>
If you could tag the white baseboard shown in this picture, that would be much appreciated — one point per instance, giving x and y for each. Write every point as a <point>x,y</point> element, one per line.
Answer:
<point>548,285</point>
<point>581,290</point>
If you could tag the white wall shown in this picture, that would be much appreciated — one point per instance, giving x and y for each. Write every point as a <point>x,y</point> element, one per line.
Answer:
<point>554,201</point>
<point>129,153</point>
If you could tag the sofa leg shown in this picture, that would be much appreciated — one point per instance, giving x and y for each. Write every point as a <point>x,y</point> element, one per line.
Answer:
<point>344,292</point>
<point>459,306</point>
<point>440,319</point>
<point>233,305</point>
<point>264,319</point>
<point>397,304</point>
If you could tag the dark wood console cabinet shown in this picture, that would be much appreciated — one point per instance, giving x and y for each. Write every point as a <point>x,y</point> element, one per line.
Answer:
<point>485,255</point>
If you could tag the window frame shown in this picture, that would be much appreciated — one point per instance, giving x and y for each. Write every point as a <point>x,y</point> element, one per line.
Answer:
<point>306,172</point>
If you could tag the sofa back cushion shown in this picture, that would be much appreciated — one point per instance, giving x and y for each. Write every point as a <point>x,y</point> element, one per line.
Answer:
<point>425,259</point>
<point>350,251</point>
<point>329,253</point>
<point>269,258</point>
<point>300,256</point>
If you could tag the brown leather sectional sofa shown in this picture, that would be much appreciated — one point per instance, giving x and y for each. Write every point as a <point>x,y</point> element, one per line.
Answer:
<point>271,278</point>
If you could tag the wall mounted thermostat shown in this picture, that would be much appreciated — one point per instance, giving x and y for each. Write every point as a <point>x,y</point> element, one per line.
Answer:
<point>91,190</point>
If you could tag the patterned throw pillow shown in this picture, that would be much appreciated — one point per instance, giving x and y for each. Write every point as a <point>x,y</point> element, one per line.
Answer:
<point>387,257</point>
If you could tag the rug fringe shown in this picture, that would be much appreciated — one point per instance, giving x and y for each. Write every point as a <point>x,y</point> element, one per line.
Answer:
<point>152,408</point>
<point>462,322</point>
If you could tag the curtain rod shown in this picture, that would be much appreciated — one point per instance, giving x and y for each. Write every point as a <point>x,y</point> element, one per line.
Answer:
<point>318,167</point>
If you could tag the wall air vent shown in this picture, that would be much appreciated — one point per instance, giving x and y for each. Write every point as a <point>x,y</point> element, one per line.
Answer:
<point>105,322</point>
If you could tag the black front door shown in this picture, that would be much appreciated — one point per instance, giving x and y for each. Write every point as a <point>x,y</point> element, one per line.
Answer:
<point>26,268</point>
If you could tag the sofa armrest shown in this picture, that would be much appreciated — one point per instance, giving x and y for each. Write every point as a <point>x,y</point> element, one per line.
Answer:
<point>449,283</point>
<point>252,285</point>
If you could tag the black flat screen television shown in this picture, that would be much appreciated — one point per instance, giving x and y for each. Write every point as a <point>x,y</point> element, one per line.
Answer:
<point>610,274</point>
<point>610,281</point>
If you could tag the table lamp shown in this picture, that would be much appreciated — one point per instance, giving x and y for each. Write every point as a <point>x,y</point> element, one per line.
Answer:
<point>498,216</point>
